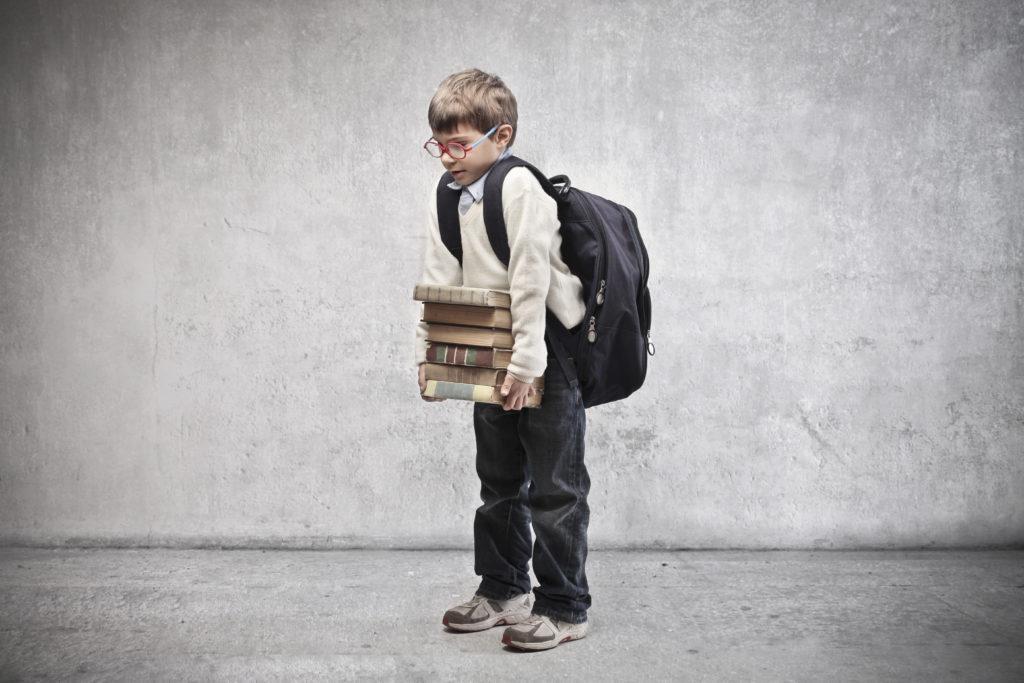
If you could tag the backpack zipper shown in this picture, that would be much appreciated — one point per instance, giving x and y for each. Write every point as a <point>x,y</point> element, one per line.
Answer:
<point>592,330</point>
<point>645,264</point>
<point>592,323</point>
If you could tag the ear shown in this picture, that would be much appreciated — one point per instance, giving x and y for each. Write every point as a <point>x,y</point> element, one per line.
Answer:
<point>503,134</point>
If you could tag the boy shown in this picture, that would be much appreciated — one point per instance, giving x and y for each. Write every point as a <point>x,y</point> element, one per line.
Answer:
<point>473,117</point>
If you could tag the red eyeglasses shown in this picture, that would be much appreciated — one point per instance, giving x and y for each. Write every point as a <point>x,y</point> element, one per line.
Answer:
<point>455,150</point>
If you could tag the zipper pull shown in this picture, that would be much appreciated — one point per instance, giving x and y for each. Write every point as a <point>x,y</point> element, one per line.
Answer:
<point>650,344</point>
<point>600,294</point>
<point>592,331</point>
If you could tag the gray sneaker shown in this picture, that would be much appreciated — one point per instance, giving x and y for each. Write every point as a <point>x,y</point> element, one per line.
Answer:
<point>542,633</point>
<point>481,613</point>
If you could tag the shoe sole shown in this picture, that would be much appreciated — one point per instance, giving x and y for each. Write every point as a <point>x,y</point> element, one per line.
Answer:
<point>533,647</point>
<point>506,620</point>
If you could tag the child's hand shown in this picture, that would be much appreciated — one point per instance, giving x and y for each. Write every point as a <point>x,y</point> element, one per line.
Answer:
<point>423,385</point>
<point>515,392</point>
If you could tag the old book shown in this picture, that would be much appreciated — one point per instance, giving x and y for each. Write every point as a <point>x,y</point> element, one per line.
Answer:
<point>461,314</point>
<point>455,294</point>
<point>471,336</point>
<point>460,354</point>
<point>481,393</point>
<point>467,375</point>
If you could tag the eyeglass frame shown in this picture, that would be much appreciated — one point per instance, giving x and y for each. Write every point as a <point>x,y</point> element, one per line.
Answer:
<point>445,150</point>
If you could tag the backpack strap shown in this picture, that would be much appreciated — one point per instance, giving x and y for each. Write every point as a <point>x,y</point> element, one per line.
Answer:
<point>494,213</point>
<point>448,216</point>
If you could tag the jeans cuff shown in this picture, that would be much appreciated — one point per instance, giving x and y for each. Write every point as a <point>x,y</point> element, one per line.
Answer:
<point>498,591</point>
<point>561,615</point>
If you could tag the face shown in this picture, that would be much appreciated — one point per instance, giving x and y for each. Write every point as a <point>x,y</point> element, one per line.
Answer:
<point>477,160</point>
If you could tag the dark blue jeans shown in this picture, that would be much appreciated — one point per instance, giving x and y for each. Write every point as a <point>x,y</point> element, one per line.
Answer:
<point>531,468</point>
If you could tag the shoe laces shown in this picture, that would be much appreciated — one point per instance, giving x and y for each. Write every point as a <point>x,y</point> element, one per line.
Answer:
<point>534,619</point>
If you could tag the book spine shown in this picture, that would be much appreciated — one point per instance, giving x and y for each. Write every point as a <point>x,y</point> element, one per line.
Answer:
<point>454,354</point>
<point>468,392</point>
<point>452,295</point>
<point>470,335</point>
<point>465,374</point>
<point>457,295</point>
<point>464,314</point>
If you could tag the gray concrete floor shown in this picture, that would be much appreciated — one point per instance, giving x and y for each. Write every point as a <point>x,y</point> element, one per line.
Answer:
<point>144,614</point>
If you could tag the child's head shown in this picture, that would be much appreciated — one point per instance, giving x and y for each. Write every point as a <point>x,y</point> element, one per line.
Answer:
<point>466,107</point>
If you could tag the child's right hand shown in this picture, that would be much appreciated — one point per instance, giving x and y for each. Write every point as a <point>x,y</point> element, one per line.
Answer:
<point>423,385</point>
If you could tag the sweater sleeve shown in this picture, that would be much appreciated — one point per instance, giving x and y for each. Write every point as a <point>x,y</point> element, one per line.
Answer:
<point>439,268</point>
<point>531,219</point>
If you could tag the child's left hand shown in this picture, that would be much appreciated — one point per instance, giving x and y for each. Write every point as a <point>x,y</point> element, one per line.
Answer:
<point>515,392</point>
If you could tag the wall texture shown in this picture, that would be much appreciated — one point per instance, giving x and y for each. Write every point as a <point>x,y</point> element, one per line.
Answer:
<point>211,218</point>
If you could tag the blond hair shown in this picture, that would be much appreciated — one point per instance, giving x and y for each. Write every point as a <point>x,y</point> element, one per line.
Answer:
<point>474,97</point>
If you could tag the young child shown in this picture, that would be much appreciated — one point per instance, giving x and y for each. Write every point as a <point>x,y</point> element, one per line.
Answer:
<point>530,460</point>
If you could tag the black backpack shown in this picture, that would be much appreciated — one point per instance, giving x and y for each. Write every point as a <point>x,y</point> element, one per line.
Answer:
<point>602,246</point>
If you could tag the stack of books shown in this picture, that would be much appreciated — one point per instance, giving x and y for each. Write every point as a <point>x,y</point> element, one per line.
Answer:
<point>469,343</point>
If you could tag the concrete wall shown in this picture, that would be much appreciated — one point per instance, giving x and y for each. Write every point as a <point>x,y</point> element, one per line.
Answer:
<point>211,228</point>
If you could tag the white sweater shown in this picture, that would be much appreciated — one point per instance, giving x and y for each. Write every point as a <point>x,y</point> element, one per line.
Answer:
<point>537,278</point>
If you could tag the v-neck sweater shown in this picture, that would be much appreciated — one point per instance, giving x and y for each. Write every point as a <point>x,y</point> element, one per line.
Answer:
<point>536,278</point>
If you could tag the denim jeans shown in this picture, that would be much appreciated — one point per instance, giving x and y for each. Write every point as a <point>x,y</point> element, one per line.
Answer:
<point>530,464</point>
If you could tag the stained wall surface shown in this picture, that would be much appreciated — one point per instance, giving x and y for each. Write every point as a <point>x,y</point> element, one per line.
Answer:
<point>212,219</point>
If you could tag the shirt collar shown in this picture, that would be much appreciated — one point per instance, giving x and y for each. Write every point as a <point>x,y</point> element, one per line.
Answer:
<point>476,188</point>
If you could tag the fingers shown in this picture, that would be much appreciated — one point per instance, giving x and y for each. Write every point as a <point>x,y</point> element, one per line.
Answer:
<point>515,400</point>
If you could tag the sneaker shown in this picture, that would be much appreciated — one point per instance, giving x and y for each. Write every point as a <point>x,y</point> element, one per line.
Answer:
<point>481,613</point>
<point>541,633</point>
